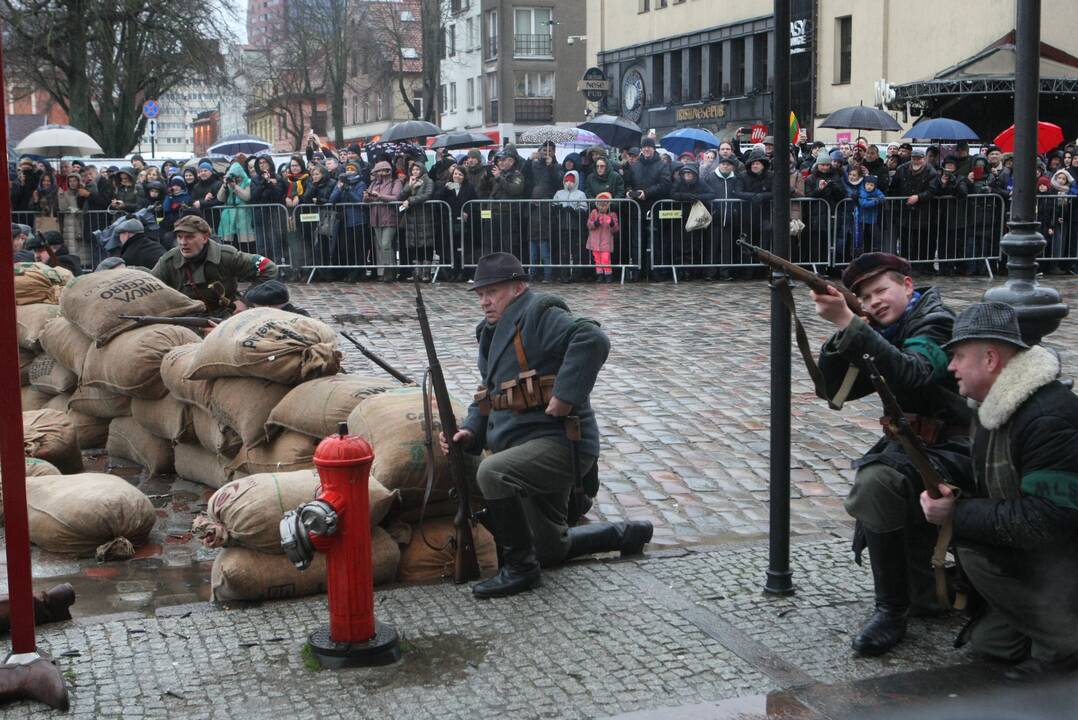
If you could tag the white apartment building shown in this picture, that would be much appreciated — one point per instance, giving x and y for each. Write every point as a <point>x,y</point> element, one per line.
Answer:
<point>461,91</point>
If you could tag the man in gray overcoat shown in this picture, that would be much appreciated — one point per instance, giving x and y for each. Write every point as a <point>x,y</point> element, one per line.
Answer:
<point>539,363</point>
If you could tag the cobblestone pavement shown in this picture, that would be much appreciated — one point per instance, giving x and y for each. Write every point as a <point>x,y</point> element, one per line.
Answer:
<point>673,629</point>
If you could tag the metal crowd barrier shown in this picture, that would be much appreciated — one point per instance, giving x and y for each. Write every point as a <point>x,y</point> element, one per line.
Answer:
<point>1059,225</point>
<point>379,237</point>
<point>675,247</point>
<point>550,237</point>
<point>257,228</point>
<point>939,230</point>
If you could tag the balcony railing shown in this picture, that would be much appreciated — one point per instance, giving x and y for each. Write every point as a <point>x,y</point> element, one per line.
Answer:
<point>533,46</point>
<point>534,109</point>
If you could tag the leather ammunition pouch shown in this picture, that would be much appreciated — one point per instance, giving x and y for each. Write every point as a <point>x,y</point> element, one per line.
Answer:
<point>528,391</point>
<point>931,430</point>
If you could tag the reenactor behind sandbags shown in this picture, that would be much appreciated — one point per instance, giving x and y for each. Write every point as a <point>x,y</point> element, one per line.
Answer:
<point>209,271</point>
<point>1016,529</point>
<point>903,330</point>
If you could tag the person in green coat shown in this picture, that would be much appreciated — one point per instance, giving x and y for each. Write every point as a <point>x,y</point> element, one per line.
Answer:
<point>604,179</point>
<point>236,220</point>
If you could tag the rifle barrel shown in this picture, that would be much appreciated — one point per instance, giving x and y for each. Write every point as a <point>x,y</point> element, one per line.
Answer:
<point>815,282</point>
<point>377,360</point>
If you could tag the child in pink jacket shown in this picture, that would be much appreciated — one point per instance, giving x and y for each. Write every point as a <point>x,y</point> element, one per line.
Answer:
<point>602,224</point>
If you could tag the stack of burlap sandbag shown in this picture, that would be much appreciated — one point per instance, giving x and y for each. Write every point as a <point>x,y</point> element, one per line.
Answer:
<point>34,468</point>
<point>244,517</point>
<point>230,383</point>
<point>37,298</point>
<point>119,377</point>
<point>393,423</point>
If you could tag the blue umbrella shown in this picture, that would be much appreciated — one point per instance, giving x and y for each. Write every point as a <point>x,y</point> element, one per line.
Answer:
<point>941,129</point>
<point>685,140</point>
<point>238,143</point>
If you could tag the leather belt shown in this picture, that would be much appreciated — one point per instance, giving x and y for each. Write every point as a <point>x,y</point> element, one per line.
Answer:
<point>528,391</point>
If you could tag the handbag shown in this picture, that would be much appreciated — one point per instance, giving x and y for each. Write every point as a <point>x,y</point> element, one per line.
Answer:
<point>328,221</point>
<point>699,217</point>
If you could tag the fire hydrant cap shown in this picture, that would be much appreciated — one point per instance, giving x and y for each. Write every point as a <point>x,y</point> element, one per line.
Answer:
<point>342,449</point>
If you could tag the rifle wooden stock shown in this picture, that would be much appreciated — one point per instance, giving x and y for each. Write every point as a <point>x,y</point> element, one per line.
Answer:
<point>900,430</point>
<point>374,358</point>
<point>190,322</point>
<point>466,565</point>
<point>817,283</point>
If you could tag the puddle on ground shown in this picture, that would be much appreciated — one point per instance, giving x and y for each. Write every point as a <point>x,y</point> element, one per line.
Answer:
<point>430,661</point>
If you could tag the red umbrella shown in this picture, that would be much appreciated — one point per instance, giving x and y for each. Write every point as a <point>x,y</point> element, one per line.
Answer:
<point>1049,136</point>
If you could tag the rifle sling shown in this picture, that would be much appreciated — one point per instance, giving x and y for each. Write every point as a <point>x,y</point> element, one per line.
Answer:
<point>428,449</point>
<point>786,295</point>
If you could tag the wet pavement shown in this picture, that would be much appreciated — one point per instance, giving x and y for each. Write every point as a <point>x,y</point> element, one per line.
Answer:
<point>683,409</point>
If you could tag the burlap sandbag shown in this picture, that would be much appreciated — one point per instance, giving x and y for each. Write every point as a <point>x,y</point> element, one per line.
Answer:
<point>68,345</point>
<point>131,364</point>
<point>26,359</point>
<point>88,513</point>
<point>288,451</point>
<point>316,406</point>
<point>174,369</point>
<point>244,404</point>
<point>34,468</point>
<point>30,321</point>
<point>167,418</point>
<point>38,283</point>
<point>39,369</point>
<point>269,344</point>
<point>57,381</point>
<point>50,435</point>
<point>92,432</point>
<point>243,574</point>
<point>100,403</point>
<point>420,564</point>
<point>130,441</point>
<point>212,436</point>
<point>247,512</point>
<point>33,399</point>
<point>59,402</point>
<point>95,302</point>
<point>197,464</point>
<point>392,423</point>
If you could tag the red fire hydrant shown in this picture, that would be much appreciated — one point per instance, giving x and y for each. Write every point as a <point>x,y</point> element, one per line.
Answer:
<point>337,523</point>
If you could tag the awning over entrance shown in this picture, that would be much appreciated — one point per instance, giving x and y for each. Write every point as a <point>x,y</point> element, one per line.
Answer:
<point>979,91</point>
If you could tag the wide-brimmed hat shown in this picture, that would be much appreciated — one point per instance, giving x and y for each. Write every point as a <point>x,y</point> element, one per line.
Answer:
<point>497,267</point>
<point>987,321</point>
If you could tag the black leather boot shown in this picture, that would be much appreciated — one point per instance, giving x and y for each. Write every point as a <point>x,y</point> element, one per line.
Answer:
<point>920,544</point>
<point>887,626</point>
<point>520,569</point>
<point>628,538</point>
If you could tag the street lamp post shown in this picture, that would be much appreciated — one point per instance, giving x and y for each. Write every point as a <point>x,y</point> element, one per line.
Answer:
<point>1039,308</point>
<point>779,577</point>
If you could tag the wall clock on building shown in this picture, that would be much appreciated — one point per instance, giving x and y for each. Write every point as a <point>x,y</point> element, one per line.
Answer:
<point>632,95</point>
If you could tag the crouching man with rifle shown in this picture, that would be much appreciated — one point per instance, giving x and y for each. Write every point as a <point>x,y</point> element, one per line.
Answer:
<point>538,363</point>
<point>904,329</point>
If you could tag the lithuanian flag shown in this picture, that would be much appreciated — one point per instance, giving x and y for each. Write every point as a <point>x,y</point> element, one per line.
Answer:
<point>795,127</point>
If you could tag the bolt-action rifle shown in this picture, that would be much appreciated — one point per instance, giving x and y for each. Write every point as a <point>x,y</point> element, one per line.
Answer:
<point>189,322</point>
<point>816,282</point>
<point>466,565</point>
<point>377,360</point>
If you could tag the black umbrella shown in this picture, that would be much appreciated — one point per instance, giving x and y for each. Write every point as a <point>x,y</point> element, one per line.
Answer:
<point>461,141</point>
<point>615,131</point>
<point>411,129</point>
<point>859,117</point>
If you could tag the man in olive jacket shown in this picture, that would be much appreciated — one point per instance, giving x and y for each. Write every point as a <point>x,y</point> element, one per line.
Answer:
<point>903,330</point>
<point>204,269</point>
<point>1016,529</point>
<point>527,481</point>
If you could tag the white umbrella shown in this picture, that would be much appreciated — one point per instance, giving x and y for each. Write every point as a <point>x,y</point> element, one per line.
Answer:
<point>58,140</point>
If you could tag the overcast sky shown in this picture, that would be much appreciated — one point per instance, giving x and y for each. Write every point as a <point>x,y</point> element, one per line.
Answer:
<point>239,25</point>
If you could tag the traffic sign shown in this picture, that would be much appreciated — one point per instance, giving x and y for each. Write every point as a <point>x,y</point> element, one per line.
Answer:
<point>151,109</point>
<point>151,128</point>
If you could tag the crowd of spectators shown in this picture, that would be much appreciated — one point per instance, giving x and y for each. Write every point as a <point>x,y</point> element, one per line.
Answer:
<point>362,214</point>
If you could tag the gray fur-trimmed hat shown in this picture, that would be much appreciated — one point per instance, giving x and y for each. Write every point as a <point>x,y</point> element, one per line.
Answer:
<point>987,321</point>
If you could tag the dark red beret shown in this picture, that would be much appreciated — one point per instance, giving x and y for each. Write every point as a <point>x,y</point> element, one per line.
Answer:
<point>870,265</point>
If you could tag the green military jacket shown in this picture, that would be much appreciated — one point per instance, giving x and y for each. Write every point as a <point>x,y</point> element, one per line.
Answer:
<point>217,276</point>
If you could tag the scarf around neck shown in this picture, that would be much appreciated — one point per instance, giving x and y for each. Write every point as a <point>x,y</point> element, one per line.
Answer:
<point>891,331</point>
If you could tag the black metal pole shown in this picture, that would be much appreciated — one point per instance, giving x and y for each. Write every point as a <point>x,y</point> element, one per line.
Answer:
<point>1039,308</point>
<point>779,577</point>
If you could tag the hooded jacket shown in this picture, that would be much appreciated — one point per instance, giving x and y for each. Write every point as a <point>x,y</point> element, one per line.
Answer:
<point>233,220</point>
<point>349,189</point>
<point>610,182</point>
<point>693,189</point>
<point>128,195</point>
<point>382,191</point>
<point>141,251</point>
<point>575,200</point>
<point>418,218</point>
<point>173,205</point>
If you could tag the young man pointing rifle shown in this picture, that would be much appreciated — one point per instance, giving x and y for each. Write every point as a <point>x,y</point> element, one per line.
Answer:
<point>903,329</point>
